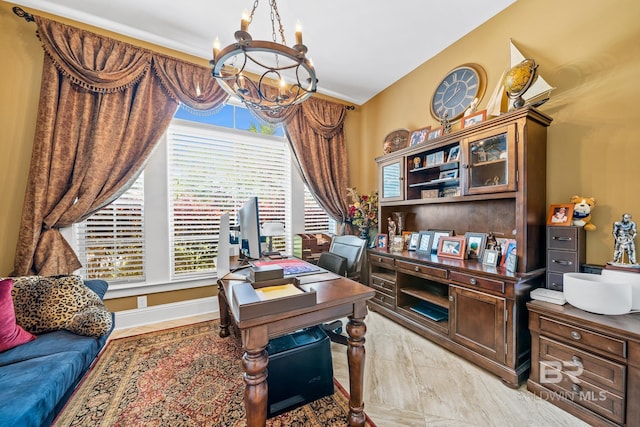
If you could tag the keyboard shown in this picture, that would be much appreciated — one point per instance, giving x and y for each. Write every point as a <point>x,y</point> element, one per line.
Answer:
<point>548,295</point>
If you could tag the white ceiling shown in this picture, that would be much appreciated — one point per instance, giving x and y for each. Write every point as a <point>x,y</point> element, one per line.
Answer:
<point>358,47</point>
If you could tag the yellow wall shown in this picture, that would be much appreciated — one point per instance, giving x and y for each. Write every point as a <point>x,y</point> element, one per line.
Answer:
<point>590,51</point>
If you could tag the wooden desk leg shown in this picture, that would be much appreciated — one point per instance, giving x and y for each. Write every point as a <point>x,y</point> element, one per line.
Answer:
<point>355,355</point>
<point>224,311</point>
<point>254,363</point>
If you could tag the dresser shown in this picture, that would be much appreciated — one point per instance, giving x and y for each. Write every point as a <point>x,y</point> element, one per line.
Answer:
<point>566,252</point>
<point>587,364</point>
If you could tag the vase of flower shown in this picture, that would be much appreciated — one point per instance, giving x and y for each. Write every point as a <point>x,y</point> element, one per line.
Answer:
<point>364,233</point>
<point>363,211</point>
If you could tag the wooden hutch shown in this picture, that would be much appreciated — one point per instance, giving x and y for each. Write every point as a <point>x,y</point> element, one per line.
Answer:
<point>495,181</point>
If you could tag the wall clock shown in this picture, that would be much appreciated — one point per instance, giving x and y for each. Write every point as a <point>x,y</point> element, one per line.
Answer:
<point>457,90</point>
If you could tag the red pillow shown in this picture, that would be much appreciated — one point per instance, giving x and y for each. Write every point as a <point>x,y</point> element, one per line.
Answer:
<point>11,334</point>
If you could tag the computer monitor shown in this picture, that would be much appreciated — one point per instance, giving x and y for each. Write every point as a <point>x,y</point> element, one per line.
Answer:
<point>249,221</point>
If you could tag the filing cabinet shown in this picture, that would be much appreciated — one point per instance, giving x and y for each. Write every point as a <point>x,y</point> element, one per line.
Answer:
<point>566,252</point>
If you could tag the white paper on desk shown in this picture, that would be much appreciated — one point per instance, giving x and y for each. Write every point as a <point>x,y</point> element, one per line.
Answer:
<point>320,277</point>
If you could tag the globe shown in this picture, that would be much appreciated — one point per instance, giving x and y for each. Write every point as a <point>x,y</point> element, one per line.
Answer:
<point>518,79</point>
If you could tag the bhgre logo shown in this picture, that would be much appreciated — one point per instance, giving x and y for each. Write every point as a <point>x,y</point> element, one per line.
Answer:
<point>551,370</point>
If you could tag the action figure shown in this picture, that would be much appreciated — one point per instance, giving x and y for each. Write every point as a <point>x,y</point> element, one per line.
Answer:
<point>624,232</point>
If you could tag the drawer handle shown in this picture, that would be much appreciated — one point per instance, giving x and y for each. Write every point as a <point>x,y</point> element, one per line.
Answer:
<point>576,360</point>
<point>472,281</point>
<point>451,298</point>
<point>575,335</point>
<point>379,259</point>
<point>416,268</point>
<point>382,298</point>
<point>562,239</point>
<point>576,388</point>
<point>561,262</point>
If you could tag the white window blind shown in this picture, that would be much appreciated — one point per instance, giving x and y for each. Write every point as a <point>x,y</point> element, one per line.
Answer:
<point>211,172</point>
<point>316,219</point>
<point>111,241</point>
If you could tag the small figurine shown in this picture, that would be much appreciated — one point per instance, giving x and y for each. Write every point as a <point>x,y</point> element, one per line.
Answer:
<point>624,232</point>
<point>472,108</point>
<point>416,162</point>
<point>392,229</point>
<point>446,126</point>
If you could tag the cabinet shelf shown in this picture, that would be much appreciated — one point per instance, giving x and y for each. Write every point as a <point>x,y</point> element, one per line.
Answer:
<point>442,166</point>
<point>488,162</point>
<point>439,300</point>
<point>389,276</point>
<point>435,182</point>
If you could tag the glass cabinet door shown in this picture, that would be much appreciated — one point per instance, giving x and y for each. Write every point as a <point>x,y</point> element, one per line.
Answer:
<point>391,180</point>
<point>489,164</point>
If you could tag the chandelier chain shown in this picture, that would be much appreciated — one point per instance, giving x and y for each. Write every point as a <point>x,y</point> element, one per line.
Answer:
<point>274,9</point>
<point>255,6</point>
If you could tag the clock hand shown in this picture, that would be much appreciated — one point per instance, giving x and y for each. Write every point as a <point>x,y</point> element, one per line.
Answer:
<point>454,93</point>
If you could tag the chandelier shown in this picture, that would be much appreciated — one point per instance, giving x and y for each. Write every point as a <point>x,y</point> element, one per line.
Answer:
<point>267,76</point>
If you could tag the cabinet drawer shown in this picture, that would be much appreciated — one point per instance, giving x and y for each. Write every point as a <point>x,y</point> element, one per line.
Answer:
<point>554,281</point>
<point>562,262</point>
<point>383,285</point>
<point>585,366</point>
<point>410,267</point>
<point>584,338</point>
<point>563,238</point>
<point>384,300</point>
<point>481,282</point>
<point>584,393</point>
<point>384,261</point>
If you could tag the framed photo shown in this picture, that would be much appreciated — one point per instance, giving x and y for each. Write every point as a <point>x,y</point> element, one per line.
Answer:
<point>560,214</point>
<point>429,194</point>
<point>452,247</point>
<point>490,257</point>
<point>473,119</point>
<point>439,157</point>
<point>397,244</point>
<point>382,241</point>
<point>406,235</point>
<point>430,159</point>
<point>511,247</point>
<point>454,154</point>
<point>452,174</point>
<point>425,241</point>
<point>437,234</point>
<point>418,136</point>
<point>434,133</point>
<point>413,242</point>
<point>476,242</point>
<point>512,262</point>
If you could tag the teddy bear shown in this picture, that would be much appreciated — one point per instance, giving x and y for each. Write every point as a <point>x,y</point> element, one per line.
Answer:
<point>582,207</point>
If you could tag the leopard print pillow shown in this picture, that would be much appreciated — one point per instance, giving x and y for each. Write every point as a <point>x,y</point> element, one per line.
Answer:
<point>44,304</point>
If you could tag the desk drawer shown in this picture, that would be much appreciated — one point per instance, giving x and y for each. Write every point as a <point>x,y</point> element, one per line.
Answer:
<point>383,285</point>
<point>596,399</point>
<point>480,282</point>
<point>384,261</point>
<point>585,366</point>
<point>410,268</point>
<point>563,238</point>
<point>584,338</point>
<point>555,281</point>
<point>562,262</point>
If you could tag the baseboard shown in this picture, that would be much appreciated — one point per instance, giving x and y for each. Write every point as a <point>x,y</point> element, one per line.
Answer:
<point>165,312</point>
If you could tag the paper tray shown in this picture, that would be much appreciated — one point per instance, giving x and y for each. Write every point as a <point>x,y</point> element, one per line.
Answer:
<point>247,304</point>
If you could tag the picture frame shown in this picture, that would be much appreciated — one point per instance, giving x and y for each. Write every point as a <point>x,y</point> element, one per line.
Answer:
<point>425,243</point>
<point>382,241</point>
<point>397,244</point>
<point>511,247</point>
<point>439,157</point>
<point>512,262</point>
<point>430,194</point>
<point>406,235</point>
<point>490,257</point>
<point>476,243</point>
<point>435,133</point>
<point>430,159</point>
<point>437,234</point>
<point>450,174</point>
<point>560,214</point>
<point>452,247</point>
<point>474,119</point>
<point>413,242</point>
<point>454,154</point>
<point>418,136</point>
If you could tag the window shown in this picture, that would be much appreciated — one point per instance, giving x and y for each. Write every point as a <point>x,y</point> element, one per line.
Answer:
<point>165,229</point>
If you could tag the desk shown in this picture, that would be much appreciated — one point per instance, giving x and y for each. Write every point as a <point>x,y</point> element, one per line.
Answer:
<point>336,298</point>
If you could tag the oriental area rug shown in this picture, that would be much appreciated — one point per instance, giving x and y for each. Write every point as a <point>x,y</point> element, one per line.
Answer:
<point>184,376</point>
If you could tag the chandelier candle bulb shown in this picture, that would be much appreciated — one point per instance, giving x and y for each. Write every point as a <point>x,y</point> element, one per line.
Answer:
<point>244,22</point>
<point>298,33</point>
<point>216,47</point>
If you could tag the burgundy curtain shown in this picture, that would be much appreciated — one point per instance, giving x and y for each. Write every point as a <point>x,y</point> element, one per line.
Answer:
<point>100,116</point>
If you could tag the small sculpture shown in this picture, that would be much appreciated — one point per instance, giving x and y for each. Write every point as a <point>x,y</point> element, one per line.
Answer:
<point>472,108</point>
<point>446,126</point>
<point>624,232</point>
<point>392,229</point>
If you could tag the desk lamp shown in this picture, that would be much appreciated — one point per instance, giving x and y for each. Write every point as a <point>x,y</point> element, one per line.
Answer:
<point>269,230</point>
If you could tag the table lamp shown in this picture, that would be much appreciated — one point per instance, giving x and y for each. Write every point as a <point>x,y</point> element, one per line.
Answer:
<point>269,230</point>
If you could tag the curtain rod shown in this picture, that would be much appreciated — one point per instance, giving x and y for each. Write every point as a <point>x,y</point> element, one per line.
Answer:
<point>22,14</point>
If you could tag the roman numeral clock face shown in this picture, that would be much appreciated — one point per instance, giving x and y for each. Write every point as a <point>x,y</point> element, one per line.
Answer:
<point>457,90</point>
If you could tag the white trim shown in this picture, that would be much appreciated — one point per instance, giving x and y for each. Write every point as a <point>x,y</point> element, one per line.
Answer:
<point>161,313</point>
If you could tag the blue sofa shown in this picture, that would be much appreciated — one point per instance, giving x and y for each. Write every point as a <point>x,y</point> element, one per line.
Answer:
<point>37,378</point>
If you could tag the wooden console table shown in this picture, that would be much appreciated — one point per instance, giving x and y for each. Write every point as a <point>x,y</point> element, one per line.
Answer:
<point>336,298</point>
